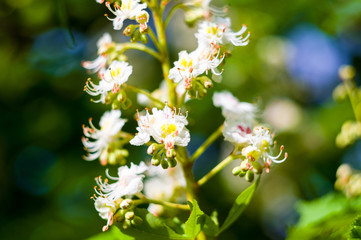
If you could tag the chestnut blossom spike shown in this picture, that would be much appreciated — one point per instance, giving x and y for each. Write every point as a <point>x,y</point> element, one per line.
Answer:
<point>129,182</point>
<point>129,9</point>
<point>165,126</point>
<point>96,141</point>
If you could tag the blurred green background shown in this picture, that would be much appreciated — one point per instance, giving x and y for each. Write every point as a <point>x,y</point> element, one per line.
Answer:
<point>289,68</point>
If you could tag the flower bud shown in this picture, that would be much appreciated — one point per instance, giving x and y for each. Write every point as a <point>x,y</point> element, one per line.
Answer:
<point>121,97</point>
<point>164,164</point>
<point>108,99</point>
<point>155,161</point>
<point>112,158</point>
<point>152,148</point>
<point>249,176</point>
<point>245,165</point>
<point>242,173</point>
<point>129,215</point>
<point>122,153</point>
<point>126,104</point>
<point>237,170</point>
<point>118,217</point>
<point>144,38</point>
<point>202,92</point>
<point>347,72</point>
<point>126,204</point>
<point>172,162</point>
<point>257,167</point>
<point>170,153</point>
<point>136,221</point>
<point>116,105</point>
<point>126,224</point>
<point>129,30</point>
<point>208,84</point>
<point>135,37</point>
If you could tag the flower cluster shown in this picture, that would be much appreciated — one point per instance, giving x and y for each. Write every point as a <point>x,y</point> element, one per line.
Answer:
<point>214,37</point>
<point>167,128</point>
<point>106,143</point>
<point>111,77</point>
<point>253,144</point>
<point>109,197</point>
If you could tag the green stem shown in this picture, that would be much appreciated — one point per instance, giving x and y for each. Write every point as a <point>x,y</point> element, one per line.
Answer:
<point>163,203</point>
<point>171,12</point>
<point>354,96</point>
<point>163,50</point>
<point>137,46</point>
<point>187,168</point>
<point>153,37</point>
<point>206,144</point>
<point>141,91</point>
<point>216,169</point>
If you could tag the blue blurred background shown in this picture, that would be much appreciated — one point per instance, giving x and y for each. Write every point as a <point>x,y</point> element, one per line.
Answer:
<point>289,68</point>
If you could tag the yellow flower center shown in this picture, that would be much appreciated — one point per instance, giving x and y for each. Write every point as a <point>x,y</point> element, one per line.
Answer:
<point>115,72</point>
<point>168,129</point>
<point>186,64</point>
<point>126,5</point>
<point>265,145</point>
<point>254,155</point>
<point>213,30</point>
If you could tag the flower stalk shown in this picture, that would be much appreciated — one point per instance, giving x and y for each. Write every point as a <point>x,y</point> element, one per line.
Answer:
<point>206,144</point>
<point>216,169</point>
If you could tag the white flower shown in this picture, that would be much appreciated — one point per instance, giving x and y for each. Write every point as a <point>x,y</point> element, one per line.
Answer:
<point>128,10</point>
<point>99,64</point>
<point>232,108</point>
<point>117,74</point>
<point>164,185</point>
<point>218,33</point>
<point>202,8</point>
<point>237,132</point>
<point>106,209</point>
<point>128,183</point>
<point>187,67</point>
<point>261,148</point>
<point>165,126</point>
<point>110,125</point>
<point>209,60</point>
<point>104,43</point>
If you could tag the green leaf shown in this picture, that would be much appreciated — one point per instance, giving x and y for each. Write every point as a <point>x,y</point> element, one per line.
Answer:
<point>327,218</point>
<point>112,234</point>
<point>239,205</point>
<point>355,231</point>
<point>316,210</point>
<point>152,228</point>
<point>196,220</point>
<point>210,227</point>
